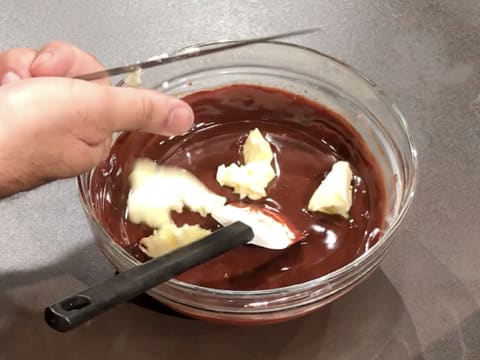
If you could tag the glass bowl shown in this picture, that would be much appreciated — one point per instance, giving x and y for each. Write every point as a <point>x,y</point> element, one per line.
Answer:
<point>327,81</point>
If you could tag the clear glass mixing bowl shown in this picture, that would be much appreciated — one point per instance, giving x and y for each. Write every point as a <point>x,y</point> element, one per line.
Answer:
<point>329,82</point>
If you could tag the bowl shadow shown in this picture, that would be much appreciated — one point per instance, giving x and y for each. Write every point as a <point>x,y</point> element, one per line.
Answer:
<point>363,324</point>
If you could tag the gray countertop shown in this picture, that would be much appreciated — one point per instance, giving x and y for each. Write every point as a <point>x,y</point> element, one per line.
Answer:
<point>424,302</point>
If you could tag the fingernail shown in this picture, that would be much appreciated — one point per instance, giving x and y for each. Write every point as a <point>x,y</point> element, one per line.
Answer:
<point>179,120</point>
<point>42,59</point>
<point>9,78</point>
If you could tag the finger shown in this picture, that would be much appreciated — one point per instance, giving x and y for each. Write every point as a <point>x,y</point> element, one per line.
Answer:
<point>127,109</point>
<point>62,59</point>
<point>94,112</point>
<point>15,65</point>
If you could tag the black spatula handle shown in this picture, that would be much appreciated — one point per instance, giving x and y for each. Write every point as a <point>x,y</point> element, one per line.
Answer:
<point>74,310</point>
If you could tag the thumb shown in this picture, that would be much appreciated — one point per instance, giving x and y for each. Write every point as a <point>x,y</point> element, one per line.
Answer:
<point>96,111</point>
<point>138,109</point>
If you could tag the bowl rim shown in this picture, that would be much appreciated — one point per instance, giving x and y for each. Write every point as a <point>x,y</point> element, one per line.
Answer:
<point>324,279</point>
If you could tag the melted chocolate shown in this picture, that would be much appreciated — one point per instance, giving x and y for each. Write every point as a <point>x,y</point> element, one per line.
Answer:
<point>306,138</point>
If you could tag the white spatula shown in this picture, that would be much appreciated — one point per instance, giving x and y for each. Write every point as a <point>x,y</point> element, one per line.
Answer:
<point>269,230</point>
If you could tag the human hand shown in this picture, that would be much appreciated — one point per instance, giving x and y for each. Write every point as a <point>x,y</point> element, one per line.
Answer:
<point>52,126</point>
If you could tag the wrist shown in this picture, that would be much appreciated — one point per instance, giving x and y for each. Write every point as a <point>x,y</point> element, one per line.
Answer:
<point>14,172</point>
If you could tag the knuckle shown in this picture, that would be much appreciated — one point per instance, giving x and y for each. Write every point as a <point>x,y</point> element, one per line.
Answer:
<point>54,44</point>
<point>146,110</point>
<point>17,57</point>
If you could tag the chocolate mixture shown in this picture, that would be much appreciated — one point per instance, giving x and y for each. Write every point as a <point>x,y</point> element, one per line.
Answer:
<point>306,138</point>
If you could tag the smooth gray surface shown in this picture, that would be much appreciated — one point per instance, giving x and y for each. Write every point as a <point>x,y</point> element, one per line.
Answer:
<point>422,304</point>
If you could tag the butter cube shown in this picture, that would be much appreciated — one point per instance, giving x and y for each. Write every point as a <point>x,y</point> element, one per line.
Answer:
<point>156,191</point>
<point>250,180</point>
<point>170,237</point>
<point>334,195</point>
<point>256,148</point>
<point>133,79</point>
